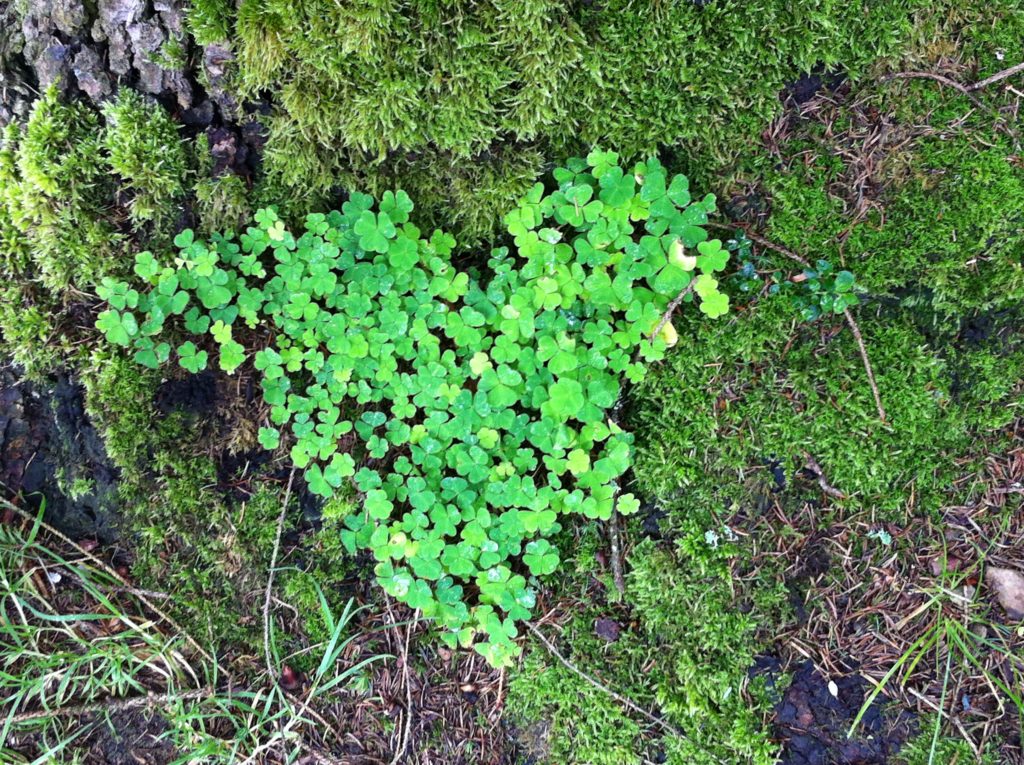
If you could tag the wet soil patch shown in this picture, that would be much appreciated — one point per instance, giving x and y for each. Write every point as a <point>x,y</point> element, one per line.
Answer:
<point>50,452</point>
<point>815,714</point>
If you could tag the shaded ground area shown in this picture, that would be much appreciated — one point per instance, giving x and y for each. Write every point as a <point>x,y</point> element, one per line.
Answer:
<point>133,737</point>
<point>50,451</point>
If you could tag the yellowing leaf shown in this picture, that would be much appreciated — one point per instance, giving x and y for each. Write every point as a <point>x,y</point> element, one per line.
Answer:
<point>669,335</point>
<point>677,256</point>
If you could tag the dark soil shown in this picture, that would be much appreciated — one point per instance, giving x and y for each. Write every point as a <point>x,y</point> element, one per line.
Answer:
<point>818,80</point>
<point>195,394</point>
<point>50,452</point>
<point>131,738</point>
<point>813,724</point>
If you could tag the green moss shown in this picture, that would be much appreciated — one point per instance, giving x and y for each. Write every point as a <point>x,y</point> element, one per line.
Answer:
<point>946,751</point>
<point>690,632</point>
<point>188,539</point>
<point>454,85</point>
<point>52,197</point>
<point>59,154</point>
<point>944,282</point>
<point>210,20</point>
<point>950,236</point>
<point>222,203</point>
<point>145,150</point>
<point>29,337</point>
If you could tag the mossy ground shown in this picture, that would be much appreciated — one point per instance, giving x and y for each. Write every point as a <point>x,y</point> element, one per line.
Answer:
<point>913,186</point>
<point>728,422</point>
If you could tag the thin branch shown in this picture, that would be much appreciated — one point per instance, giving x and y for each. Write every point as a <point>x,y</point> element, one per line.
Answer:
<point>867,362</point>
<point>766,243</point>
<point>626,702</point>
<point>270,578</point>
<point>406,737</point>
<point>939,78</point>
<point>660,721</point>
<point>115,705</point>
<point>826,487</point>
<point>1009,72</point>
<point>665,317</point>
<point>967,91</point>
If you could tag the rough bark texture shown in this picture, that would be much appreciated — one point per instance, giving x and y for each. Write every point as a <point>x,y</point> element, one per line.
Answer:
<point>93,48</point>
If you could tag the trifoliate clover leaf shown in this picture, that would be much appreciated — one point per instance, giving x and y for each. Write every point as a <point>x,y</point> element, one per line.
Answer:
<point>712,257</point>
<point>119,294</point>
<point>488,437</point>
<point>671,280</point>
<point>679,190</point>
<point>565,399</point>
<point>705,285</point>
<point>118,327</point>
<point>480,363</point>
<point>628,504</point>
<point>714,305</point>
<point>184,239</point>
<point>146,266</point>
<point>269,438</point>
<point>403,253</point>
<point>541,557</point>
<point>221,332</point>
<point>397,205</point>
<point>602,161</point>
<point>151,355</point>
<point>690,235</point>
<point>196,322</point>
<point>316,482</point>
<point>378,505</point>
<point>266,217</point>
<point>232,354</point>
<point>190,358</point>
<point>541,521</point>
<point>578,462</point>
<point>374,231</point>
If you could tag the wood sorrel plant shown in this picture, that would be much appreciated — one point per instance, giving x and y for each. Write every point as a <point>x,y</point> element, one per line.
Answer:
<point>480,404</point>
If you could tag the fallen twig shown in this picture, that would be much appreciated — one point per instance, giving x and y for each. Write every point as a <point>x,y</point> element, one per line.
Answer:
<point>867,362</point>
<point>629,703</point>
<point>114,705</point>
<point>949,82</point>
<point>406,736</point>
<point>1008,72</point>
<point>826,487</point>
<point>599,685</point>
<point>966,90</point>
<point>670,309</point>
